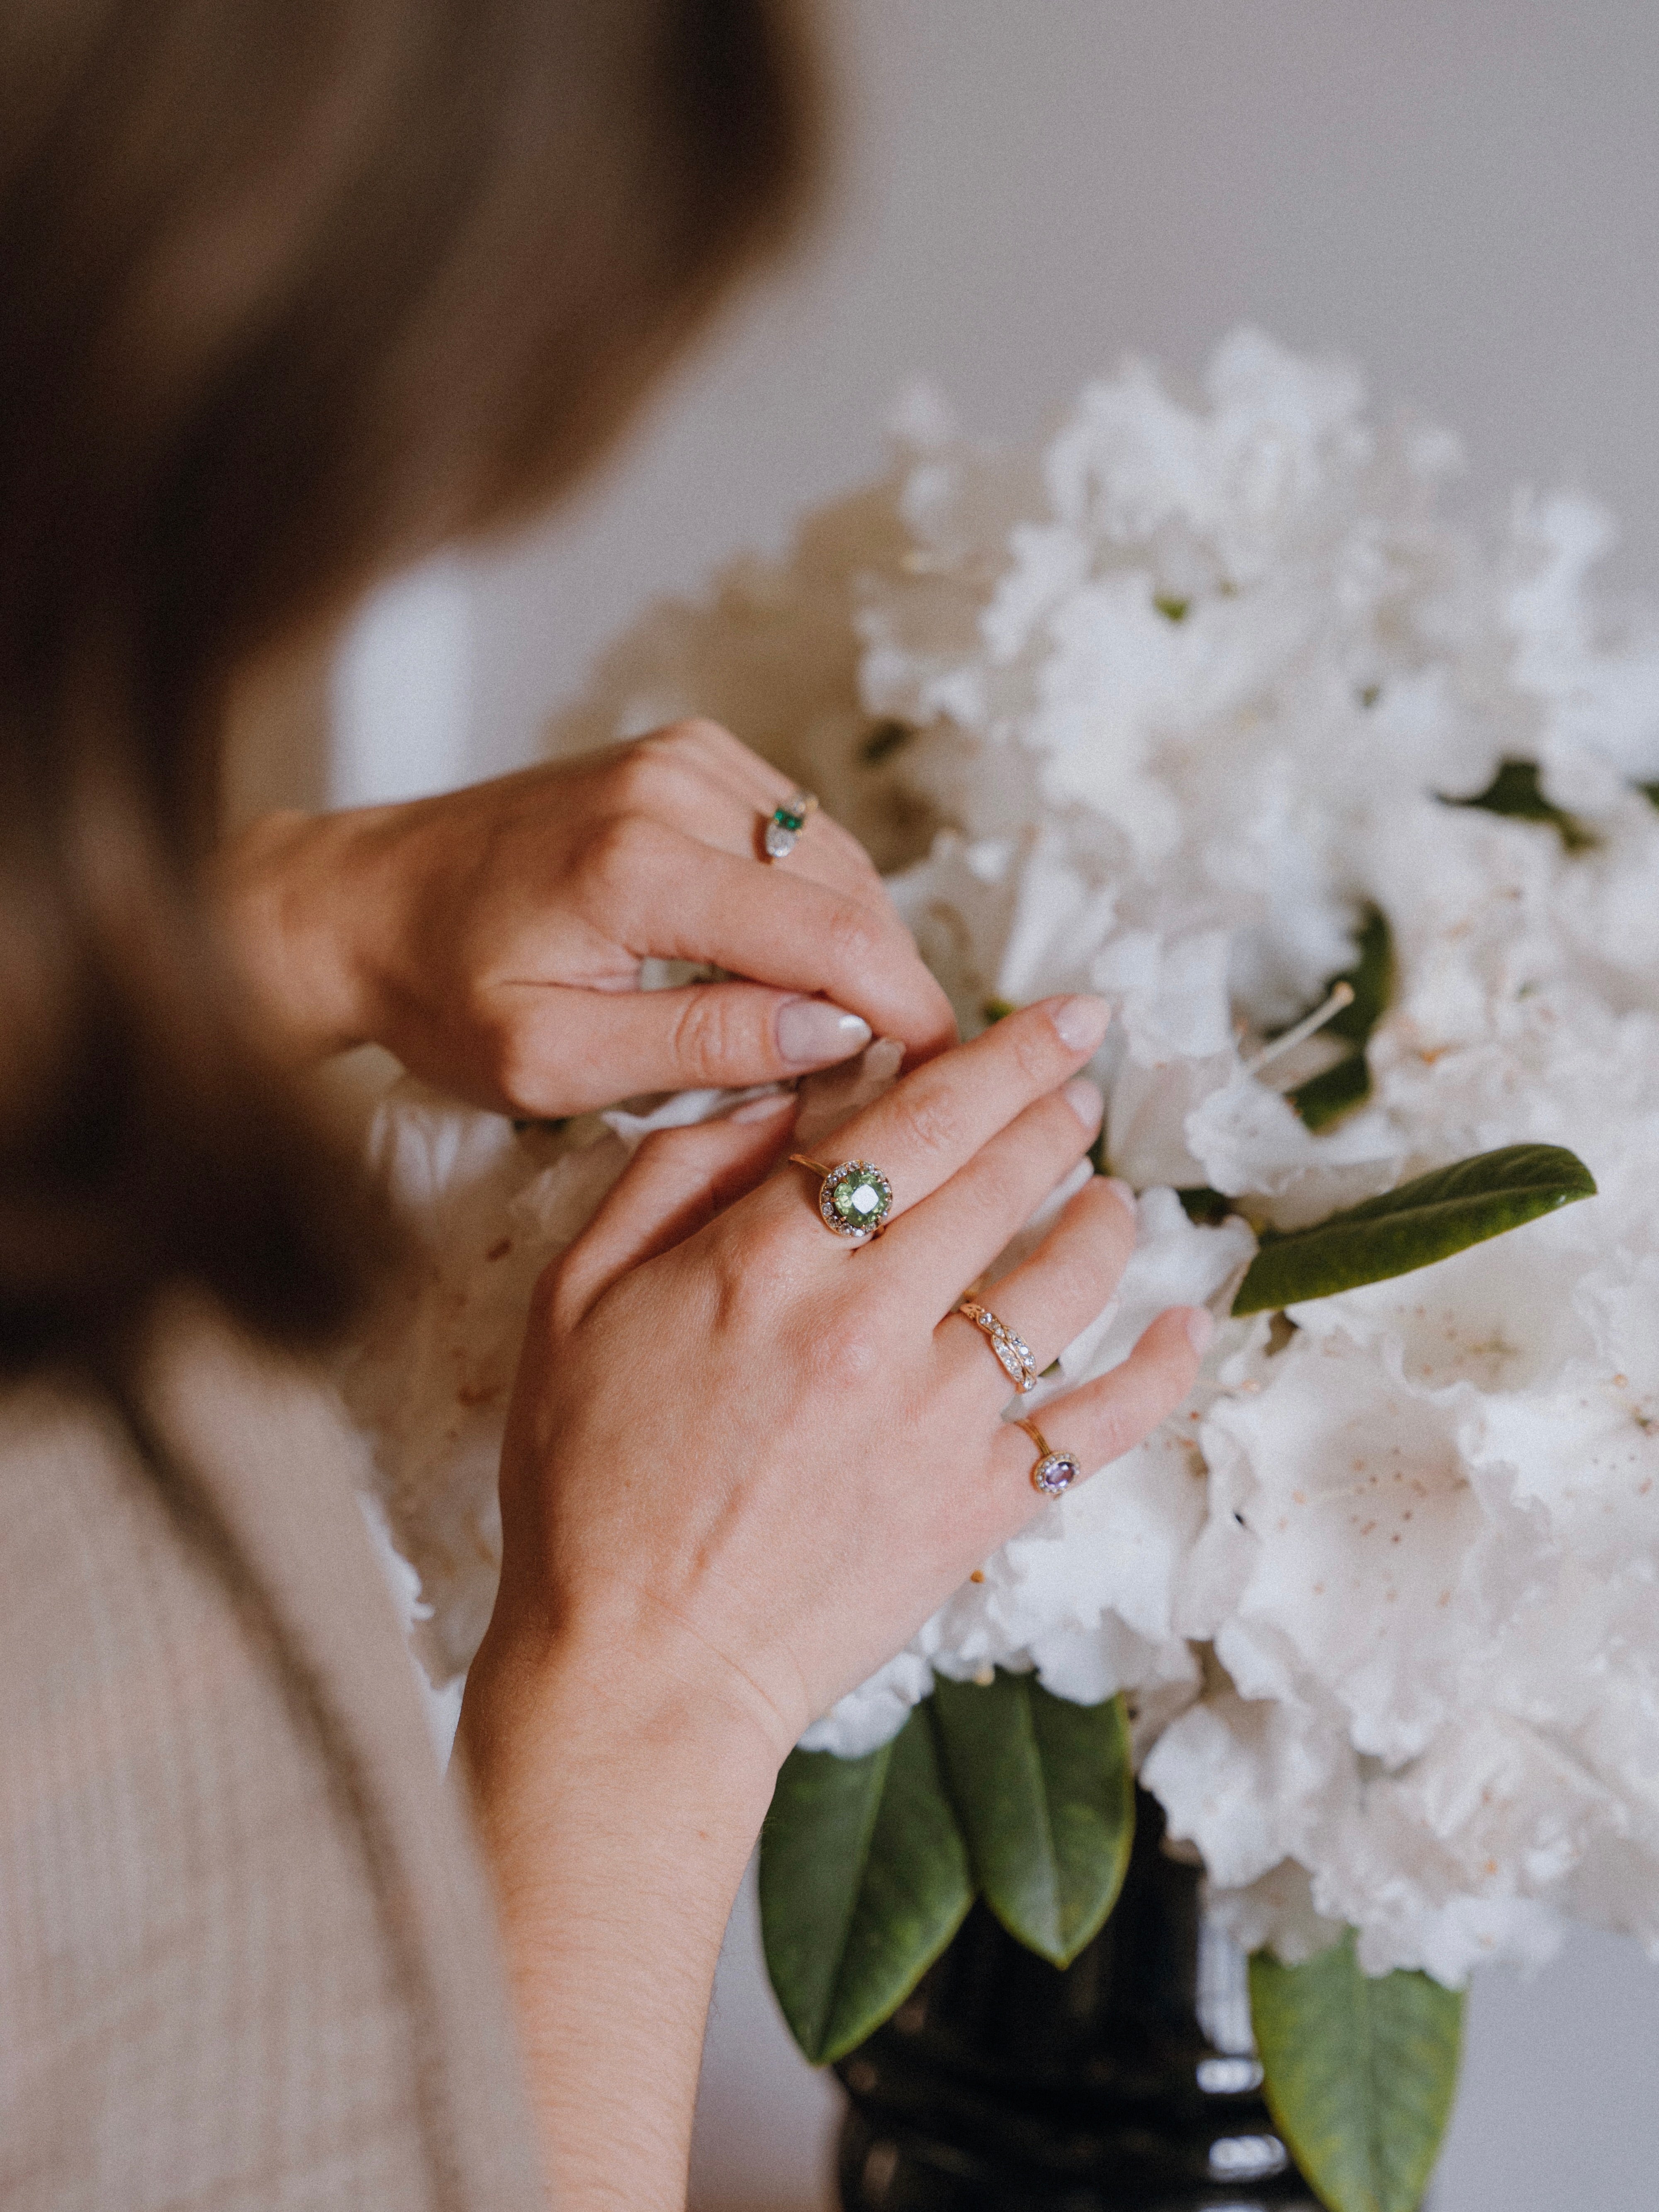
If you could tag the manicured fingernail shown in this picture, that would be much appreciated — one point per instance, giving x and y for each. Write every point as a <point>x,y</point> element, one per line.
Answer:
<point>1201,1327</point>
<point>1080,1023</point>
<point>1125,1192</point>
<point>811,1034</point>
<point>767,1108</point>
<point>1085,1100</point>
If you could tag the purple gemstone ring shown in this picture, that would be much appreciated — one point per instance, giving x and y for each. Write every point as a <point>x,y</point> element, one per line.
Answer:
<point>1055,1471</point>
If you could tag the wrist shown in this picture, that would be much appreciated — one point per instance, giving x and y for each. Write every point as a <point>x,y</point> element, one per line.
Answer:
<point>662,1727</point>
<point>285,888</point>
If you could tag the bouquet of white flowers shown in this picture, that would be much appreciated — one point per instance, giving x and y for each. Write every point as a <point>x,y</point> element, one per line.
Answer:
<point>1204,706</point>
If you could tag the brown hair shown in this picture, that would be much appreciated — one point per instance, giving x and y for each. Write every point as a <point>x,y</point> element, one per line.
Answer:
<point>293,289</point>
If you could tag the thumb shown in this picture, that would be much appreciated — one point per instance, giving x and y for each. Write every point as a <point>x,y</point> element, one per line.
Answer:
<point>678,1180</point>
<point>574,1050</point>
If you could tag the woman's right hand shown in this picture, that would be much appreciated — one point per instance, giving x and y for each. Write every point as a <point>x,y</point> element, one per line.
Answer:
<point>741,1445</point>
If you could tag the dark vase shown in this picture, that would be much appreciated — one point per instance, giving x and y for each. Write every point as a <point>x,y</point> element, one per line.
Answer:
<point>1126,2082</point>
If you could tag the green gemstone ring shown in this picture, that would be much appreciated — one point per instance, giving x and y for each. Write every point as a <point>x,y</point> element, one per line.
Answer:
<point>854,1199</point>
<point>785,823</point>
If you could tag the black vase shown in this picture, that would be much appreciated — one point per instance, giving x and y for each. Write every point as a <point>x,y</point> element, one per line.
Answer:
<point>1125,2082</point>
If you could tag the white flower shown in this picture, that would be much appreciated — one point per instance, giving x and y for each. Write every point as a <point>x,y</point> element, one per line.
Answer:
<point>1162,710</point>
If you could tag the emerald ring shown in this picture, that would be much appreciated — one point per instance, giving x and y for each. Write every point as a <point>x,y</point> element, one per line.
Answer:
<point>1014,1355</point>
<point>854,1199</point>
<point>1055,1471</point>
<point>786,823</point>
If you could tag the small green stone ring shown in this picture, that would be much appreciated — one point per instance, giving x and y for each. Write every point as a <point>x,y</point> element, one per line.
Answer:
<point>854,1199</point>
<point>785,823</point>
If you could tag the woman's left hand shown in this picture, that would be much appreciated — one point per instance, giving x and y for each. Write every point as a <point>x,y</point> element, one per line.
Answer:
<point>492,938</point>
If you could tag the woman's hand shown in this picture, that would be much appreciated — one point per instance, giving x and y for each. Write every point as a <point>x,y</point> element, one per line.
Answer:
<point>492,938</point>
<point>744,1461</point>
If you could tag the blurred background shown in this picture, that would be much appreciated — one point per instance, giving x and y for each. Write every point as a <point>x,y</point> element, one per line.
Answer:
<point>1461,195</point>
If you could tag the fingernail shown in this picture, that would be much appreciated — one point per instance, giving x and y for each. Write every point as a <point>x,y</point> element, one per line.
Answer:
<point>1085,1100</point>
<point>1080,1023</point>
<point>764,1110</point>
<point>1125,1193</point>
<point>1201,1327</point>
<point>811,1034</point>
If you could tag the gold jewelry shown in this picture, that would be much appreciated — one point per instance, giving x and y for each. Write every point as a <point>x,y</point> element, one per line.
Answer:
<point>1013,1353</point>
<point>785,823</point>
<point>854,1198</point>
<point>1054,1471</point>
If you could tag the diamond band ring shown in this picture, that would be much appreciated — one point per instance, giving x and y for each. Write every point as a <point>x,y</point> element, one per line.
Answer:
<point>854,1198</point>
<point>1013,1353</point>
<point>785,823</point>
<point>1055,1471</point>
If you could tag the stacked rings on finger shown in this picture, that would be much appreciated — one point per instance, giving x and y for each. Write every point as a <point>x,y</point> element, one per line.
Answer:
<point>1013,1353</point>
<point>786,822</point>
<point>854,1197</point>
<point>1055,1471</point>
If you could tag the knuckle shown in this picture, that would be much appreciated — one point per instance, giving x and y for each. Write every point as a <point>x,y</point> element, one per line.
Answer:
<point>1035,1050</point>
<point>848,1355</point>
<point>931,1122</point>
<point>759,1265</point>
<point>853,937</point>
<point>620,847</point>
<point>713,1033</point>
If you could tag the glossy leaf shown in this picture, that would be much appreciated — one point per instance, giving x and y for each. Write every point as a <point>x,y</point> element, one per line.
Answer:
<point>1515,791</point>
<point>863,1879</point>
<point>1360,2073</point>
<point>1423,1221</point>
<point>1045,1794</point>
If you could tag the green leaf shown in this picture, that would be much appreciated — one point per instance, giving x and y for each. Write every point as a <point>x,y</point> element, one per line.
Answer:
<point>1650,792</point>
<point>1360,2073</point>
<point>1204,1206</point>
<point>1325,1097</point>
<point>1171,608</point>
<point>1515,791</point>
<point>863,1882</point>
<point>1045,1794</point>
<point>1412,1227</point>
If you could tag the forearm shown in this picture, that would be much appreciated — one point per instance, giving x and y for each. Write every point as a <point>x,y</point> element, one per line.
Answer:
<point>617,1842</point>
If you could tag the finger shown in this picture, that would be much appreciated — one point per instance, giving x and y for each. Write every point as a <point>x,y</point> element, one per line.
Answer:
<point>1106,1418</point>
<point>1050,1299</point>
<point>705,779</point>
<point>585,1048</point>
<point>928,1126</point>
<point>677,1181</point>
<point>663,893</point>
<point>951,1238</point>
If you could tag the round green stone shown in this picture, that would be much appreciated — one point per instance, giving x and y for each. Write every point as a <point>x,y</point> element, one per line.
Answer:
<point>860,1198</point>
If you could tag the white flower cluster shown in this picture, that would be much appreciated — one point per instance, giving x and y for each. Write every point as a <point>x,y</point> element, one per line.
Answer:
<point>1165,709</point>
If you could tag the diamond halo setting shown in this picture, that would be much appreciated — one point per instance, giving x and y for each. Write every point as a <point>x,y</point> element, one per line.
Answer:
<point>855,1201</point>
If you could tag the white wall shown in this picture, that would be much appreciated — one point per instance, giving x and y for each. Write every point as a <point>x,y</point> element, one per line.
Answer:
<point>1463,194</point>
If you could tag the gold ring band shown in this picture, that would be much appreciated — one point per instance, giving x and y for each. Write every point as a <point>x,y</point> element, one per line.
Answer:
<point>1055,1471</point>
<point>1014,1355</point>
<point>854,1197</point>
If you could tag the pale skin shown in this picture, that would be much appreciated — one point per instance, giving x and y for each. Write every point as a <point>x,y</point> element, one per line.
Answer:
<point>745,1459</point>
